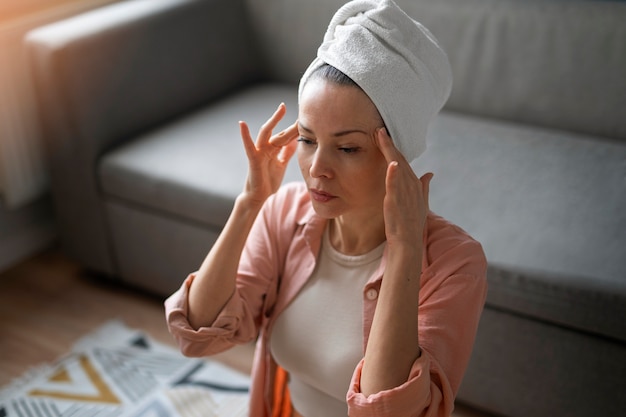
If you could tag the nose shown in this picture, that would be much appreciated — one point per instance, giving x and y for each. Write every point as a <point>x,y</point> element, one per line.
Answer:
<point>320,165</point>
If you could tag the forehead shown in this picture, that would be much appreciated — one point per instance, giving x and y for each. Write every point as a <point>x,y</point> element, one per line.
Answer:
<point>325,102</point>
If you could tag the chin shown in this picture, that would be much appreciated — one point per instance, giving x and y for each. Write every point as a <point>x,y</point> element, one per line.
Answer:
<point>324,211</point>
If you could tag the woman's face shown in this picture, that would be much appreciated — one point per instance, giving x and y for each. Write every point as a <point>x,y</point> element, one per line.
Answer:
<point>337,151</point>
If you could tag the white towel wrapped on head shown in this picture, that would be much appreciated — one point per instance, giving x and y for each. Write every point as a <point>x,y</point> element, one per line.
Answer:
<point>395,60</point>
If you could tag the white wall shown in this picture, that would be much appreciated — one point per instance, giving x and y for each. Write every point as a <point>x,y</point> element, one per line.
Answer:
<point>23,171</point>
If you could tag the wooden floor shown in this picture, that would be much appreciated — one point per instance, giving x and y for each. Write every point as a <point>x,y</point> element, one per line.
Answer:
<point>48,302</point>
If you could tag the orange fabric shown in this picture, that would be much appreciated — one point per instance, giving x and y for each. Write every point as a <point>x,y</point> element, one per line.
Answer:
<point>281,404</point>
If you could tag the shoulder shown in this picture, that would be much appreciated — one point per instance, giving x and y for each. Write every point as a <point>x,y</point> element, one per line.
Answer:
<point>287,209</point>
<point>450,247</point>
<point>292,191</point>
<point>280,225</point>
<point>290,202</point>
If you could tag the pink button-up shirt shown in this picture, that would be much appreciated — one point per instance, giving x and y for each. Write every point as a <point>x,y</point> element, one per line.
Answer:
<point>278,259</point>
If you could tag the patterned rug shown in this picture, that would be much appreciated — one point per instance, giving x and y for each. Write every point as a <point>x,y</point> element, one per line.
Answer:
<point>120,372</point>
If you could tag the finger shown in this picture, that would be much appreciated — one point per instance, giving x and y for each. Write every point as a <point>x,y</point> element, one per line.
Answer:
<point>246,138</point>
<point>284,137</point>
<point>386,146</point>
<point>425,180</point>
<point>392,169</point>
<point>287,152</point>
<point>265,132</point>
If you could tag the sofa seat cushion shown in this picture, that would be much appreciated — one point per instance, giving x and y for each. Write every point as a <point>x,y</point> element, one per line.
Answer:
<point>194,167</point>
<point>549,208</point>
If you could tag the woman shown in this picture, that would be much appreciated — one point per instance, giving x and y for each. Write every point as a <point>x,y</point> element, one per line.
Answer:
<point>359,297</point>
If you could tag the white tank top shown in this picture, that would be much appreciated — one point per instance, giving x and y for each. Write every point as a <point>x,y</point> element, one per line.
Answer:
<point>318,339</point>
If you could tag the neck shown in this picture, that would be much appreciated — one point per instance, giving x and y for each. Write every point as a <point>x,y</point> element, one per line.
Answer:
<point>356,237</point>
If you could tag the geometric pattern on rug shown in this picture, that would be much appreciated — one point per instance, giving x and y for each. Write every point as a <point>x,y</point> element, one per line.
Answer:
<point>121,372</point>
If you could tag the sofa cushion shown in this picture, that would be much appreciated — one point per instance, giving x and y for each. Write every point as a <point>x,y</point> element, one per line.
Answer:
<point>548,207</point>
<point>196,166</point>
<point>548,63</point>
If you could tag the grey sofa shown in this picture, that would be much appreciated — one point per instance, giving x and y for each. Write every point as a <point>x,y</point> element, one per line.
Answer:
<point>139,106</point>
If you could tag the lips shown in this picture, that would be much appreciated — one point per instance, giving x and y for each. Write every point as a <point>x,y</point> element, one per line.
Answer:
<point>321,196</point>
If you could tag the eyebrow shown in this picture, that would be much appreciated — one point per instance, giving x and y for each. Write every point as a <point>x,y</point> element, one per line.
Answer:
<point>336,134</point>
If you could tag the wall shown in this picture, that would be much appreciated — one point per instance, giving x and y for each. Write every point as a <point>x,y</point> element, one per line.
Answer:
<point>25,231</point>
<point>23,176</point>
<point>26,215</point>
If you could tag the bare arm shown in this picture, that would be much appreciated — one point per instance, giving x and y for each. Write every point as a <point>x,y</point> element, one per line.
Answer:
<point>214,283</point>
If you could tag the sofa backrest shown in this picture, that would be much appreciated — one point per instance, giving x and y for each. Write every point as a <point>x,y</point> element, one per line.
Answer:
<point>560,64</point>
<point>104,76</point>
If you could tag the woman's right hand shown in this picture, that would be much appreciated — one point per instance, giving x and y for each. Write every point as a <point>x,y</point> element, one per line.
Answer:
<point>267,157</point>
<point>214,283</point>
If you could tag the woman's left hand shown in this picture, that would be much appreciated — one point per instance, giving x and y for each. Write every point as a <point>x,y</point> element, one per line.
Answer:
<point>393,345</point>
<point>406,200</point>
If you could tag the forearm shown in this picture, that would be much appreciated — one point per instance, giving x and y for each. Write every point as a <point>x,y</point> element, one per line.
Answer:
<point>214,282</point>
<point>393,344</point>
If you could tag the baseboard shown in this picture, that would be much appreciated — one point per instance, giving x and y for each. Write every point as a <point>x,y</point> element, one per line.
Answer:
<point>26,231</point>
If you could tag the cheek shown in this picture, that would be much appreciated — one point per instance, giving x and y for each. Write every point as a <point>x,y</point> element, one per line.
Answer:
<point>303,159</point>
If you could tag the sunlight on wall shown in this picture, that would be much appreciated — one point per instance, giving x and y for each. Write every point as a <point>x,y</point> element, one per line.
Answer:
<point>23,175</point>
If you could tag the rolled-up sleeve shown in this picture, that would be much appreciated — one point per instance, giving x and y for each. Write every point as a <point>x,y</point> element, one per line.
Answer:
<point>405,400</point>
<point>228,329</point>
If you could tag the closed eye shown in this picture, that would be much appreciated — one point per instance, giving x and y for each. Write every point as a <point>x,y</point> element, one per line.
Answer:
<point>305,141</point>
<point>346,150</point>
<point>350,150</point>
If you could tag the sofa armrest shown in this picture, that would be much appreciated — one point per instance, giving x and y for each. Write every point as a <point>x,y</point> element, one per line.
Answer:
<point>103,76</point>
